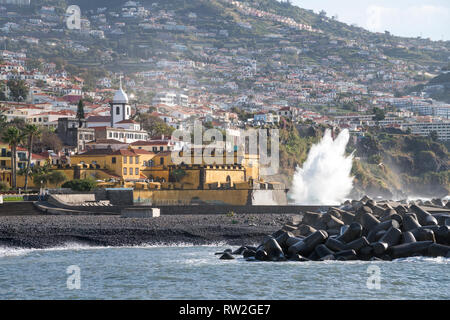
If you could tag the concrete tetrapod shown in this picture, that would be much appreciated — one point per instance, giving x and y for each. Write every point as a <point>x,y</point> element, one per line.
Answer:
<point>390,238</point>
<point>307,245</point>
<point>353,232</point>
<point>409,249</point>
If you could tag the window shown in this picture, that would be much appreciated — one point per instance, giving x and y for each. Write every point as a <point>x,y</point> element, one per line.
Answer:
<point>161,148</point>
<point>136,160</point>
<point>137,171</point>
<point>131,171</point>
<point>113,160</point>
<point>155,149</point>
<point>117,110</point>
<point>124,171</point>
<point>128,111</point>
<point>161,160</point>
<point>131,160</point>
<point>125,160</point>
<point>110,134</point>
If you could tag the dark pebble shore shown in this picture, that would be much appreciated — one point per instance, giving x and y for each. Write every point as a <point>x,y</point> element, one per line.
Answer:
<point>52,231</point>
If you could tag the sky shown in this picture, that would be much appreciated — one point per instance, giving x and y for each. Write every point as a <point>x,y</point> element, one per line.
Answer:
<point>408,18</point>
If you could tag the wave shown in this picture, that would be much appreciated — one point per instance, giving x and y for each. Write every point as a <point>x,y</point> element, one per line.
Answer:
<point>6,251</point>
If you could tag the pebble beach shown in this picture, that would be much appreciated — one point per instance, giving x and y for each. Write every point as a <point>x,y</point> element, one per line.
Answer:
<point>50,231</point>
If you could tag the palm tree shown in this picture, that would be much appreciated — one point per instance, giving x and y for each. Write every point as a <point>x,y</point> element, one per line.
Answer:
<point>31,131</point>
<point>80,112</point>
<point>13,136</point>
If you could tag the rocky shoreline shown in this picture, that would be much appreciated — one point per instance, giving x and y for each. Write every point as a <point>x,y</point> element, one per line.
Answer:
<point>359,230</point>
<point>51,231</point>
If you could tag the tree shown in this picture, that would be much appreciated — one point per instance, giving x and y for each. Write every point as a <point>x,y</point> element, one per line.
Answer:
<point>34,64</point>
<point>19,123</point>
<point>81,185</point>
<point>208,125</point>
<point>154,125</point>
<point>31,131</point>
<point>2,119</point>
<point>3,186</point>
<point>57,177</point>
<point>48,140</point>
<point>177,174</point>
<point>2,92</point>
<point>13,136</point>
<point>379,114</point>
<point>18,89</point>
<point>80,111</point>
<point>40,83</point>
<point>434,135</point>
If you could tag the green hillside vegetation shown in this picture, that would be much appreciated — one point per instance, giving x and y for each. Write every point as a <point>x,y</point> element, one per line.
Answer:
<point>393,164</point>
<point>295,145</point>
<point>387,165</point>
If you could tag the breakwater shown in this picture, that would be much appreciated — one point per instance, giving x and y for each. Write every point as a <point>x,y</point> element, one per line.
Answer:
<point>360,230</point>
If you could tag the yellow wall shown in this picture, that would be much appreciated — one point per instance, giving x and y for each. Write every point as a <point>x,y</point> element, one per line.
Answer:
<point>220,175</point>
<point>157,173</point>
<point>192,177</point>
<point>160,197</point>
<point>106,162</point>
<point>21,179</point>
<point>6,158</point>
<point>5,176</point>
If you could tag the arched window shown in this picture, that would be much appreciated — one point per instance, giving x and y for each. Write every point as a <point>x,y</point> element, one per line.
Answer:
<point>117,110</point>
<point>228,179</point>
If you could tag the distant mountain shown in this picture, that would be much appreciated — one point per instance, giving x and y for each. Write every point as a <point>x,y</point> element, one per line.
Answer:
<point>439,87</point>
<point>262,27</point>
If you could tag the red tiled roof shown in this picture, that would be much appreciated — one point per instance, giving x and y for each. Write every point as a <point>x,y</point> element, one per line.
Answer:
<point>150,143</point>
<point>127,121</point>
<point>142,151</point>
<point>96,152</point>
<point>125,152</point>
<point>99,119</point>
<point>107,141</point>
<point>35,156</point>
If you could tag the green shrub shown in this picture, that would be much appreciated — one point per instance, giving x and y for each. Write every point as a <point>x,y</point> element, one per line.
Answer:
<point>80,185</point>
<point>231,214</point>
<point>12,198</point>
<point>4,186</point>
<point>57,177</point>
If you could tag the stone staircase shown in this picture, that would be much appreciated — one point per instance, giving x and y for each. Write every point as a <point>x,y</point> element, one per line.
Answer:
<point>23,208</point>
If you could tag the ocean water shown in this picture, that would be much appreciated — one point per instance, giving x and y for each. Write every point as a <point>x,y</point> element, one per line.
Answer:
<point>194,272</point>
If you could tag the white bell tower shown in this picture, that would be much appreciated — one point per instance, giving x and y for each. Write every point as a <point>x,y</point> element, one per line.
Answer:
<point>120,109</point>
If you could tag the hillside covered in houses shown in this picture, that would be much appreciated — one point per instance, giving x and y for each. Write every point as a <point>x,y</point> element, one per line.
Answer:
<point>232,65</point>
